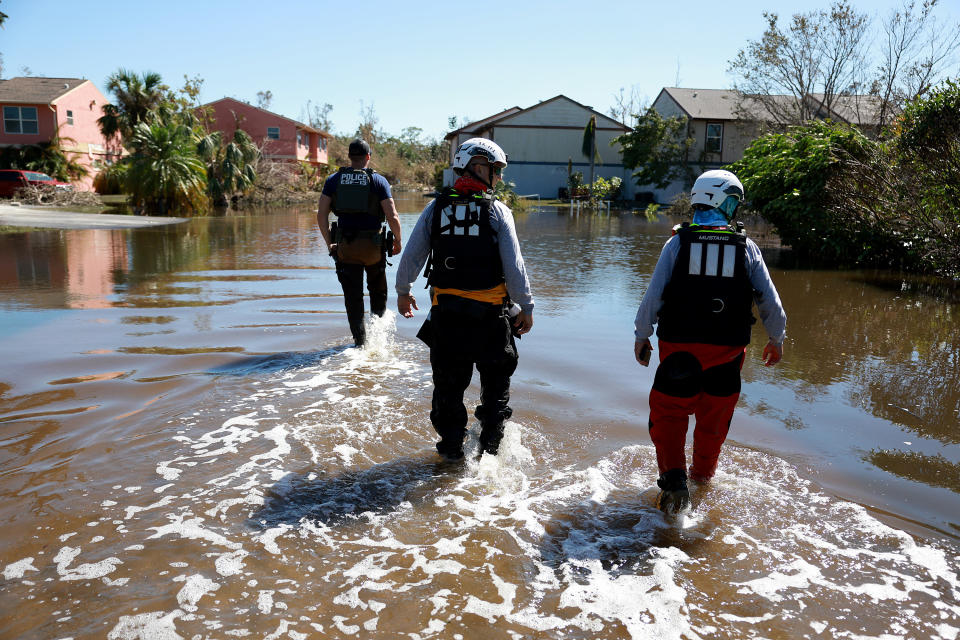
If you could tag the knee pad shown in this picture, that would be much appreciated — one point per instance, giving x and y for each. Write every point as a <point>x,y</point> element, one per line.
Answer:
<point>723,379</point>
<point>679,375</point>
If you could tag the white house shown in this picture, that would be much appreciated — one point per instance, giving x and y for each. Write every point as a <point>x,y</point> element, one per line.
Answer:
<point>541,140</point>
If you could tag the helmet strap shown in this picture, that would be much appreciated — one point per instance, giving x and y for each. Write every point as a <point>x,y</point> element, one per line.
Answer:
<point>473,175</point>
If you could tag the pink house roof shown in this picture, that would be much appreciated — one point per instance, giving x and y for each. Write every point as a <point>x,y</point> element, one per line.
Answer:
<point>247,106</point>
<point>25,90</point>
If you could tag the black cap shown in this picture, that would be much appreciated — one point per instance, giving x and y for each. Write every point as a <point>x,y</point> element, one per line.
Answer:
<point>358,148</point>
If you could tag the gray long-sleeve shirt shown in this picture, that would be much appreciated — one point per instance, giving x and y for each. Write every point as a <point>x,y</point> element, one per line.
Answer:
<point>768,300</point>
<point>417,250</point>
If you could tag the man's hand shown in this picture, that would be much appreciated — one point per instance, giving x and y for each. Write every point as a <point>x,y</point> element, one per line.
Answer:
<point>772,353</point>
<point>397,245</point>
<point>523,322</point>
<point>404,304</point>
<point>642,351</point>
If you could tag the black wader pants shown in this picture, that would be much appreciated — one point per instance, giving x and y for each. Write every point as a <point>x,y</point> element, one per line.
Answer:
<point>351,279</point>
<point>462,333</point>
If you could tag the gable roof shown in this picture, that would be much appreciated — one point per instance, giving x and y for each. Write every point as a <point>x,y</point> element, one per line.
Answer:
<point>30,90</point>
<point>726,104</point>
<point>247,105</point>
<point>513,112</point>
<point>477,125</point>
<point>855,109</point>
<point>709,104</point>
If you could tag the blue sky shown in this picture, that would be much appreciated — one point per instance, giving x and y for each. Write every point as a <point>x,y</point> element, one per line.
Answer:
<point>416,63</point>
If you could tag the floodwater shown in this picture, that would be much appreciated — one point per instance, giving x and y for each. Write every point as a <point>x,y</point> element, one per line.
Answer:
<point>189,448</point>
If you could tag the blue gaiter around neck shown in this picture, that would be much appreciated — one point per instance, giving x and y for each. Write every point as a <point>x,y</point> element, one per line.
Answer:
<point>710,218</point>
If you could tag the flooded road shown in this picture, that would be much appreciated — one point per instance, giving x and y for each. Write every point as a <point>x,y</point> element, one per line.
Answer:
<point>189,449</point>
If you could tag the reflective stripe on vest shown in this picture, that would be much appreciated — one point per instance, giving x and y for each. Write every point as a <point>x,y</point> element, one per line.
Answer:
<point>461,219</point>
<point>696,266</point>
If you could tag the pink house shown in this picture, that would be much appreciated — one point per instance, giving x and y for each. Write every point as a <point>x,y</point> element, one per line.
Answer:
<point>35,109</point>
<point>282,139</point>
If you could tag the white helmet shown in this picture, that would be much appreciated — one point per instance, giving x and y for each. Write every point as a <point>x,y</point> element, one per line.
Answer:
<point>479,147</point>
<point>717,189</point>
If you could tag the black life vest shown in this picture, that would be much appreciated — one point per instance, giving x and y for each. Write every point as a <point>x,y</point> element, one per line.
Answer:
<point>464,251</point>
<point>355,202</point>
<point>709,297</point>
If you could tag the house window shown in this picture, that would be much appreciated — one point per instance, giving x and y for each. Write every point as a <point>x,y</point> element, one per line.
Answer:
<point>20,120</point>
<point>273,133</point>
<point>714,137</point>
<point>69,117</point>
<point>323,144</point>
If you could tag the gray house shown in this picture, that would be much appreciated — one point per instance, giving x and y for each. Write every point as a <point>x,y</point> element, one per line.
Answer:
<point>723,125</point>
<point>542,139</point>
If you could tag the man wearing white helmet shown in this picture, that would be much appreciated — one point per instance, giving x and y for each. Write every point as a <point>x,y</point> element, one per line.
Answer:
<point>477,282</point>
<point>700,297</point>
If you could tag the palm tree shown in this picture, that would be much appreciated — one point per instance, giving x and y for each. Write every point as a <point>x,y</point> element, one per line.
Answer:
<point>136,99</point>
<point>230,166</point>
<point>589,147</point>
<point>165,171</point>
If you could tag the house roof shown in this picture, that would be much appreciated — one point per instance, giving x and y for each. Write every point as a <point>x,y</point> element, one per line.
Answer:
<point>512,112</point>
<point>855,109</point>
<point>726,104</point>
<point>477,125</point>
<point>247,105</point>
<point>30,90</point>
<point>705,104</point>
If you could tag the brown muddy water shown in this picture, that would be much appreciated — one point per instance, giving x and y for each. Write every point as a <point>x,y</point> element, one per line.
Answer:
<point>189,449</point>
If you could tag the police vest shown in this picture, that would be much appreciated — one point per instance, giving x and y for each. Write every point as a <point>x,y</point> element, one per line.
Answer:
<point>355,202</point>
<point>464,251</point>
<point>709,297</point>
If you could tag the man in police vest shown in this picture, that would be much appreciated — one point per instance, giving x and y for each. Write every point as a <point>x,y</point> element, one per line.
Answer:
<point>700,297</point>
<point>479,298</point>
<point>361,200</point>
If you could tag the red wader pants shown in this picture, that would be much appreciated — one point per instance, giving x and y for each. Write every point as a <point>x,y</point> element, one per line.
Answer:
<point>696,379</point>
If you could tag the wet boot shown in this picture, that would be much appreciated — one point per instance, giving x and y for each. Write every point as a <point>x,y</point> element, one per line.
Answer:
<point>490,437</point>
<point>674,496</point>
<point>450,448</point>
<point>359,333</point>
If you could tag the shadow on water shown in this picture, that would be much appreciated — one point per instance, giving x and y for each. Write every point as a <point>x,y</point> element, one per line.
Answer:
<point>335,500</point>
<point>621,533</point>
<point>275,362</point>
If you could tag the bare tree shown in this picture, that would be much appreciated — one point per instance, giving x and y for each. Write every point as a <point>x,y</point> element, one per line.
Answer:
<point>367,129</point>
<point>915,52</point>
<point>627,107</point>
<point>792,72</point>
<point>318,116</point>
<point>842,46</point>
<point>264,98</point>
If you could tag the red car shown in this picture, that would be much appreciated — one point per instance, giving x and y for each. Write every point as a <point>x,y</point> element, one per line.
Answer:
<point>13,179</point>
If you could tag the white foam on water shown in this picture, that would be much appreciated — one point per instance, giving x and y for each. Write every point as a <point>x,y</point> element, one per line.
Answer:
<point>493,610</point>
<point>195,587</point>
<point>230,564</point>
<point>265,601</point>
<point>16,570</point>
<point>193,529</point>
<point>320,480</point>
<point>156,625</point>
